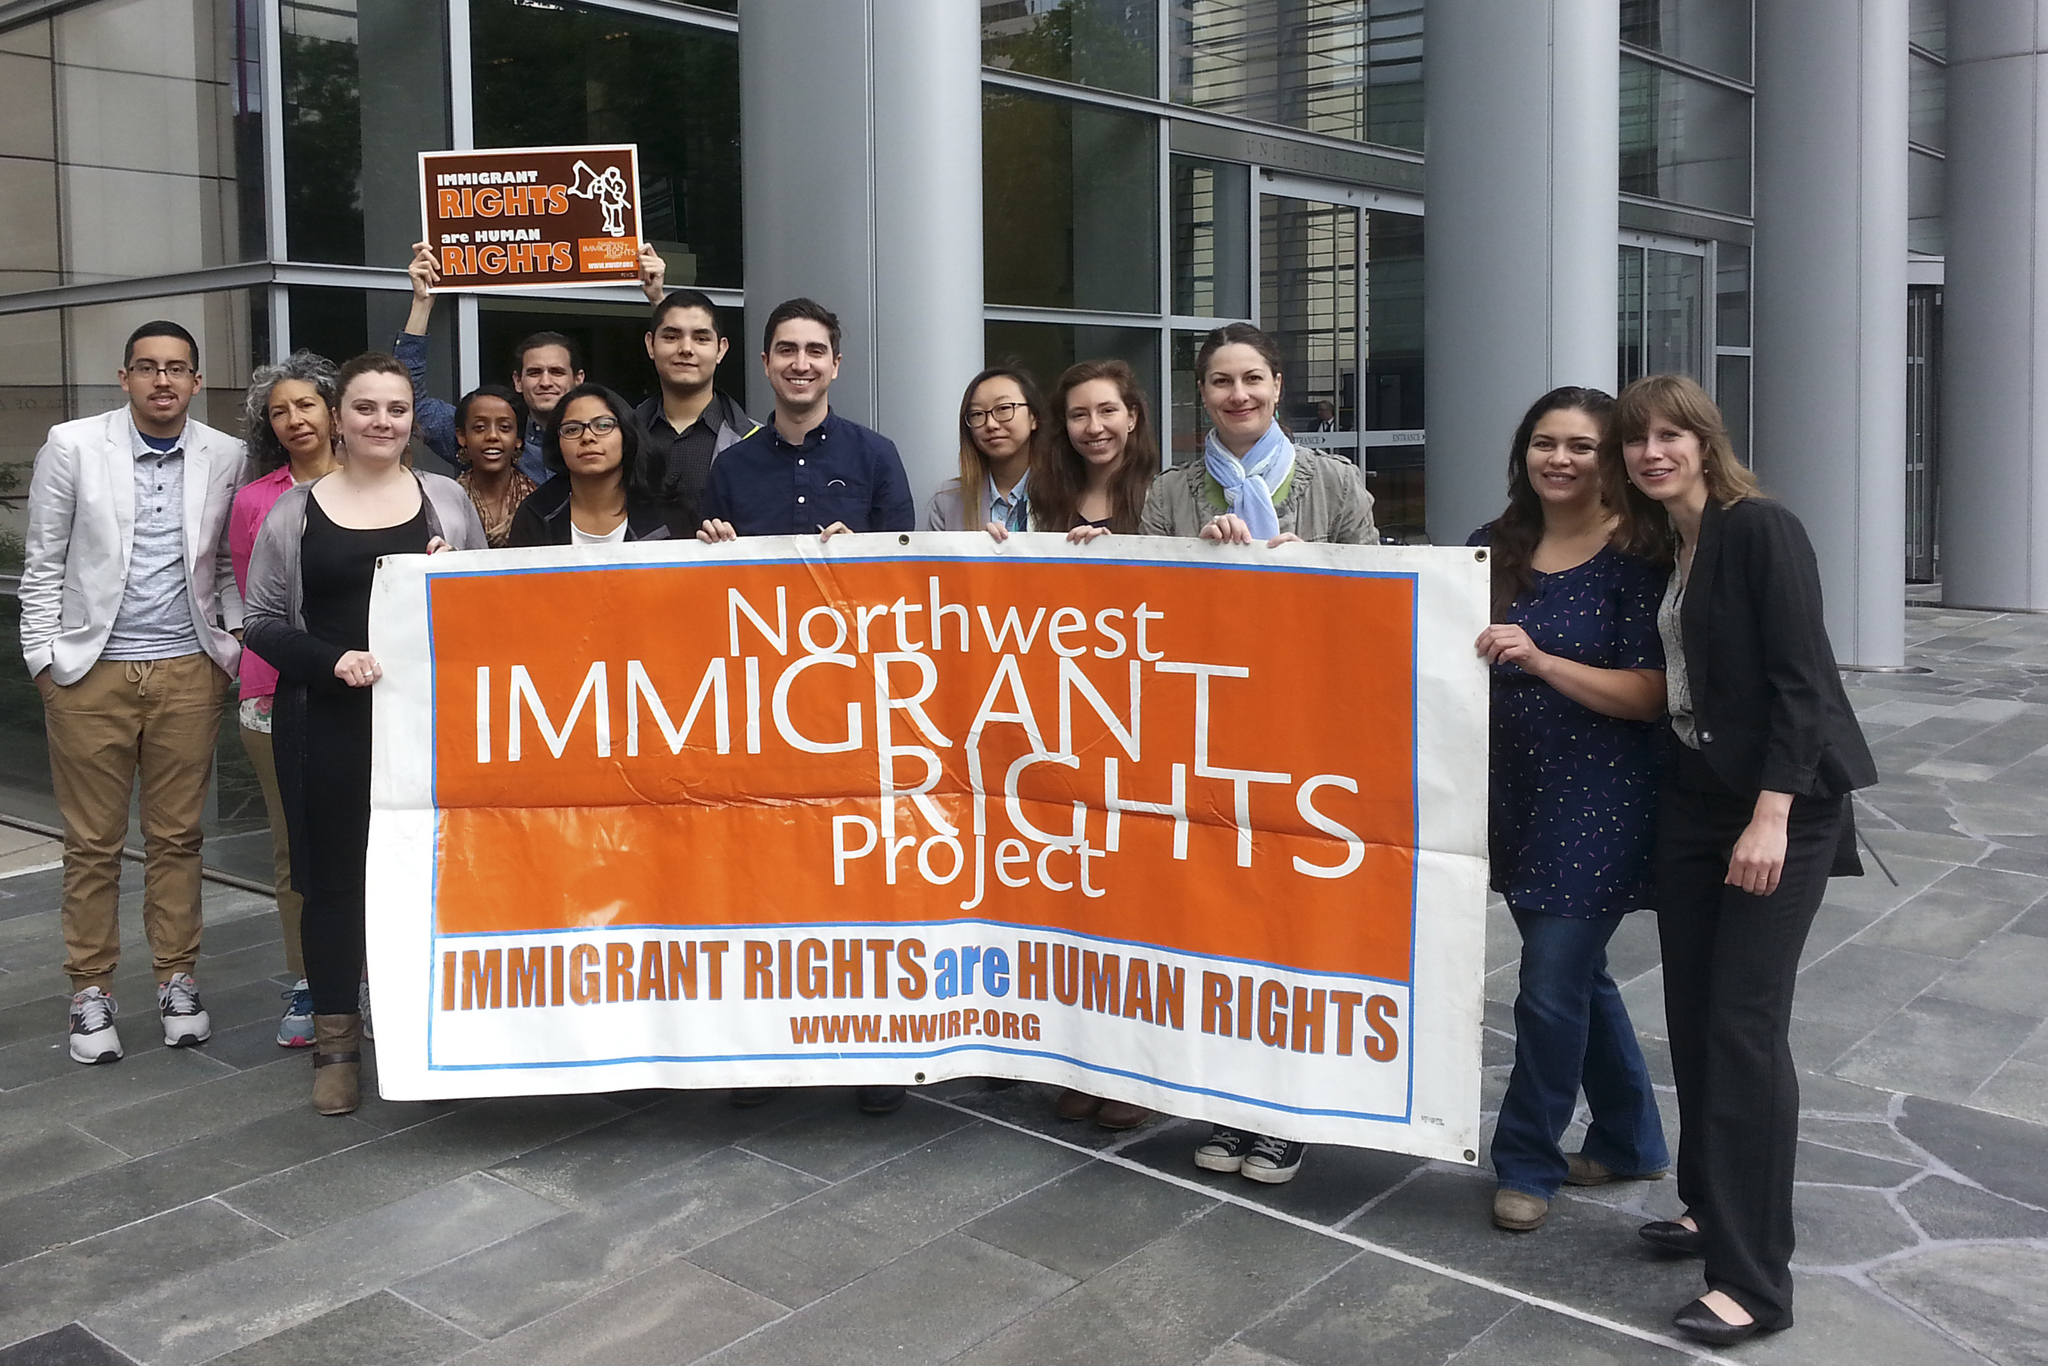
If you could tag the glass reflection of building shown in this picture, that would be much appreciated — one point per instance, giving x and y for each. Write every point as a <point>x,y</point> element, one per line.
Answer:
<point>1152,168</point>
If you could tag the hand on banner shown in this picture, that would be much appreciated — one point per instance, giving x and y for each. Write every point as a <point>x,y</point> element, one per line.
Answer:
<point>653,271</point>
<point>1228,528</point>
<point>826,533</point>
<point>1082,535</point>
<point>424,275</point>
<point>997,532</point>
<point>1502,644</point>
<point>358,668</point>
<point>713,531</point>
<point>437,545</point>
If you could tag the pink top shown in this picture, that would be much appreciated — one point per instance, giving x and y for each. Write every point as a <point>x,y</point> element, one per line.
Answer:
<point>252,505</point>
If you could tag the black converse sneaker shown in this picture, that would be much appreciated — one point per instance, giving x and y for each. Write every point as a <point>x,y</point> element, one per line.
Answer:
<point>185,1020</point>
<point>92,1027</point>
<point>1224,1151</point>
<point>1272,1160</point>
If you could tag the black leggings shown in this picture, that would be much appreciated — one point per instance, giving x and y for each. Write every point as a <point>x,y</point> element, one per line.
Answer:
<point>331,845</point>
<point>1730,963</point>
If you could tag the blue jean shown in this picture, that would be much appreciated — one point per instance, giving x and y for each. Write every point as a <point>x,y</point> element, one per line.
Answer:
<point>1572,1031</point>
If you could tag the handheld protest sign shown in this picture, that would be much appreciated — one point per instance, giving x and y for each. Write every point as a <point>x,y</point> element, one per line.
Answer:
<point>1197,827</point>
<point>507,217</point>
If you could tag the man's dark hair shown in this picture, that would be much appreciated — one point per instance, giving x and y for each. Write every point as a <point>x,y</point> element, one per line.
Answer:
<point>687,298</point>
<point>641,479</point>
<point>547,339</point>
<point>809,309</point>
<point>497,391</point>
<point>163,327</point>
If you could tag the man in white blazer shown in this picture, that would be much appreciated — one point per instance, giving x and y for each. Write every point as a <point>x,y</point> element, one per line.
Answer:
<point>129,625</point>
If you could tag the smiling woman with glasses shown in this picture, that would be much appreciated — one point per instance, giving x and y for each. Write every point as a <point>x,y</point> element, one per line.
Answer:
<point>610,495</point>
<point>1002,423</point>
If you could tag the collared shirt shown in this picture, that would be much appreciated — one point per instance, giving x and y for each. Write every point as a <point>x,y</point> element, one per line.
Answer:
<point>843,472</point>
<point>434,418</point>
<point>685,455</point>
<point>1010,508</point>
<point>155,618</point>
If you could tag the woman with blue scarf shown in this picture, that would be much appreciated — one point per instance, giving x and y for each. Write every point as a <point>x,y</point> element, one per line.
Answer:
<point>1254,484</point>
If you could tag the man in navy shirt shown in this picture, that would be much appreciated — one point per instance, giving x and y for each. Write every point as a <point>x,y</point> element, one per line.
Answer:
<point>809,471</point>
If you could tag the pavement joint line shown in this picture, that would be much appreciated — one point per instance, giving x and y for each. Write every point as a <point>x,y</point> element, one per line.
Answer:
<point>32,868</point>
<point>1690,1349</point>
<point>395,1294</point>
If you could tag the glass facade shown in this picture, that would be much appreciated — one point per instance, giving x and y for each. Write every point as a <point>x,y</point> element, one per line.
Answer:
<point>1211,253</point>
<point>1713,35</point>
<point>1108,44</point>
<point>1344,68</point>
<point>1683,139</point>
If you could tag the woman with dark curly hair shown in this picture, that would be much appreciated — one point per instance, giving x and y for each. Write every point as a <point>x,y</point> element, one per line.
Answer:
<point>288,418</point>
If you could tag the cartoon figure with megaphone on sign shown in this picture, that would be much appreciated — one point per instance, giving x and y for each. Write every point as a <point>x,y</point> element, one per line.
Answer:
<point>609,189</point>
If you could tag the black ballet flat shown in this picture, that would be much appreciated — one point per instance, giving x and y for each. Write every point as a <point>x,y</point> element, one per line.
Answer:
<point>1673,1236</point>
<point>1702,1324</point>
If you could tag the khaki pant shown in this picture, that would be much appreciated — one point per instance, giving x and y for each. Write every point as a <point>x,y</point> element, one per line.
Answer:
<point>289,902</point>
<point>161,718</point>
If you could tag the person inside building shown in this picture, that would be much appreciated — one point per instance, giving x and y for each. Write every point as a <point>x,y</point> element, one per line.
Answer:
<point>545,366</point>
<point>688,422</point>
<point>289,416</point>
<point>309,618</point>
<point>1002,426</point>
<point>611,494</point>
<point>845,477</point>
<point>1753,818</point>
<point>1578,683</point>
<point>128,614</point>
<point>1254,484</point>
<point>490,432</point>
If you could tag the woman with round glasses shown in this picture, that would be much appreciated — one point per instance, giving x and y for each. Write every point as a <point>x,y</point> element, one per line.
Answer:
<point>1002,425</point>
<point>608,497</point>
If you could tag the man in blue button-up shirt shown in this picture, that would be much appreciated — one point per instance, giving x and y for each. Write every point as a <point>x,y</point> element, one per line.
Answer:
<point>809,471</point>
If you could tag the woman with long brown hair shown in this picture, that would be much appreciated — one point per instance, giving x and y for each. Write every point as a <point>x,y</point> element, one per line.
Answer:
<point>1753,818</point>
<point>1100,463</point>
<point>1002,428</point>
<point>1577,682</point>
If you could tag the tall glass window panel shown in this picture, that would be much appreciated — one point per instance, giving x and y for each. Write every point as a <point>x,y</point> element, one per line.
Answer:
<point>1345,68</point>
<point>130,142</point>
<point>1045,350</point>
<point>1927,103</point>
<point>1929,19</point>
<point>1070,199</point>
<point>1923,430</point>
<point>562,74</point>
<point>1684,140</point>
<point>1711,34</point>
<point>1211,225</point>
<point>365,91</point>
<point>1731,294</point>
<point>1308,304</point>
<point>1731,394</point>
<point>1109,44</point>
<point>1392,386</point>
<point>1662,314</point>
<point>1926,188</point>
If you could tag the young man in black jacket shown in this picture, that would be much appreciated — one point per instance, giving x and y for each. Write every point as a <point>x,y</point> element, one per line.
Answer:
<point>688,422</point>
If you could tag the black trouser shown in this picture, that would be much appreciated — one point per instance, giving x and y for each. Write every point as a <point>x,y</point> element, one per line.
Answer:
<point>1730,962</point>
<point>325,752</point>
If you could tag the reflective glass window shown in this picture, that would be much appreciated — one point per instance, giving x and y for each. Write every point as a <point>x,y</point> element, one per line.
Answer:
<point>1683,140</point>
<point>1731,294</point>
<point>1926,186</point>
<point>1211,221</point>
<point>1662,314</point>
<point>1070,201</point>
<point>558,74</point>
<point>127,108</point>
<point>1928,103</point>
<point>1731,394</point>
<point>1346,68</point>
<point>365,91</point>
<point>1930,25</point>
<point>1110,44</point>
<point>1712,34</point>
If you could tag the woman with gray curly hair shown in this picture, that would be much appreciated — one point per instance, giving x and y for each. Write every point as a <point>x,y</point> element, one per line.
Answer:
<point>289,424</point>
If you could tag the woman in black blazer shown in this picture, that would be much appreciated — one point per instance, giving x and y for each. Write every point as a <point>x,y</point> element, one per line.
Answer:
<point>605,492</point>
<point>1753,819</point>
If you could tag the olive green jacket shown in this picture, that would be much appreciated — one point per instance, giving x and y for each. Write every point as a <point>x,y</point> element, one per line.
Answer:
<point>1323,499</point>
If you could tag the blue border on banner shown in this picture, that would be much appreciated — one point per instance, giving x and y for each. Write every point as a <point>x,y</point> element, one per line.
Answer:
<point>1406,1117</point>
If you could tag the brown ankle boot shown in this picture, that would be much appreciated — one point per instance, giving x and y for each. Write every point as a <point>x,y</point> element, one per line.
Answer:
<point>337,1061</point>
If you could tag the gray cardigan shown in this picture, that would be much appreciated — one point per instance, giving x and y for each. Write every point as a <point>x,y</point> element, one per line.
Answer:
<point>274,605</point>
<point>1325,499</point>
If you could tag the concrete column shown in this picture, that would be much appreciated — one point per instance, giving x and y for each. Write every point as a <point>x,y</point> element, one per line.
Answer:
<point>1994,436</point>
<point>861,132</point>
<point>1522,116</point>
<point>1830,301</point>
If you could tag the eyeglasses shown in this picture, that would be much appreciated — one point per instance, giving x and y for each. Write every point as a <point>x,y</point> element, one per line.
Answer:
<point>149,369</point>
<point>600,426</point>
<point>1002,412</point>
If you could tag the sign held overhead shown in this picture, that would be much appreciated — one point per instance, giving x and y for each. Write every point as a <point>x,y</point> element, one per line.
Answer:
<point>506,217</point>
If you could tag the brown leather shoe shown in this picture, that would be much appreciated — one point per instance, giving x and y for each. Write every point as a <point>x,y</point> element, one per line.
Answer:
<point>1519,1210</point>
<point>1581,1170</point>
<point>1074,1104</point>
<point>1121,1114</point>
<point>337,1063</point>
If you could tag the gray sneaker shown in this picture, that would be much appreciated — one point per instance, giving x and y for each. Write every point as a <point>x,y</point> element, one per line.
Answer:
<point>185,1020</point>
<point>92,1027</point>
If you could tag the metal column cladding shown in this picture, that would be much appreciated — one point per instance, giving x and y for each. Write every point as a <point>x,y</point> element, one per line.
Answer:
<point>1522,110</point>
<point>861,132</point>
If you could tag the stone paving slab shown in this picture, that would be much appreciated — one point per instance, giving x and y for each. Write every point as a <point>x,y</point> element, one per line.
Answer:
<point>185,1206</point>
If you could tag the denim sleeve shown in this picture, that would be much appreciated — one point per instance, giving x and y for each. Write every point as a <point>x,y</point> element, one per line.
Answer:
<point>432,418</point>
